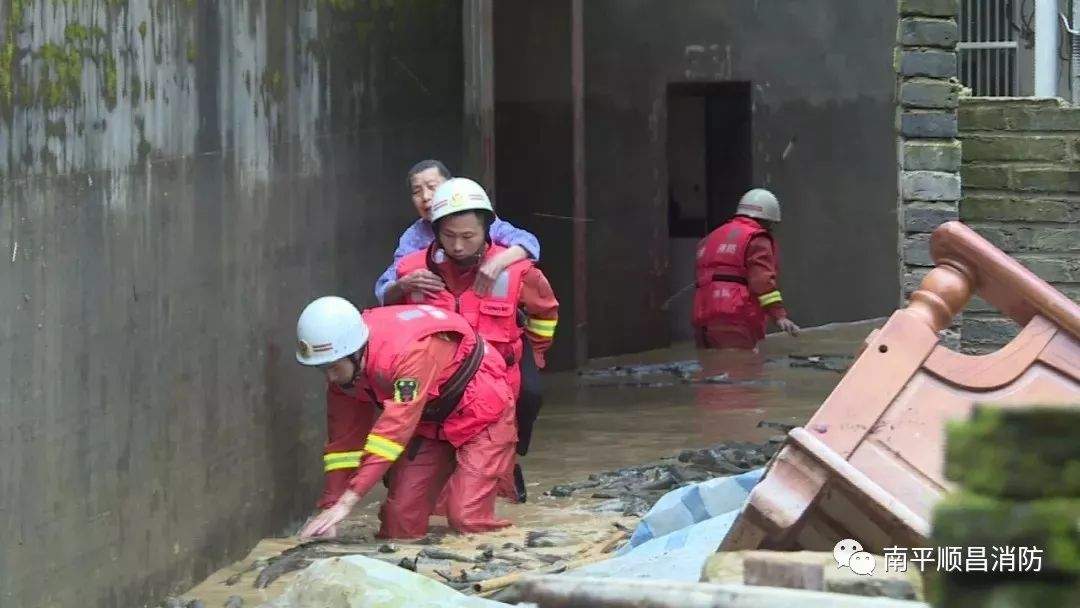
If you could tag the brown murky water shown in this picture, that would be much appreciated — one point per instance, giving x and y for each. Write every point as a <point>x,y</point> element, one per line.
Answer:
<point>587,428</point>
<point>596,421</point>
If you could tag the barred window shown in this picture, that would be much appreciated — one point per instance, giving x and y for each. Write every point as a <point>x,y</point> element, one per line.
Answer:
<point>988,46</point>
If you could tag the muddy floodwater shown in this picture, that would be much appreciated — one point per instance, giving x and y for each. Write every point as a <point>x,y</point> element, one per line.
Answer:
<point>618,412</point>
<point>594,422</point>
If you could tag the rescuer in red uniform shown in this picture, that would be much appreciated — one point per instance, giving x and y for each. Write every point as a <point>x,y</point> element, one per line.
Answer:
<point>447,413</point>
<point>462,214</point>
<point>737,278</point>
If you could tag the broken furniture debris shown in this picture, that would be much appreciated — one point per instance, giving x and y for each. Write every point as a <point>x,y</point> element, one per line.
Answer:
<point>868,465</point>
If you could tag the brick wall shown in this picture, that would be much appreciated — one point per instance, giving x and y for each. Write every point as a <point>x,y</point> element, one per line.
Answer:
<point>1021,173</point>
<point>927,98</point>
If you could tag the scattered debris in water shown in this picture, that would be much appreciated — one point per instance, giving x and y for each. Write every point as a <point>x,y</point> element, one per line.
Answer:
<point>302,555</point>
<point>723,379</point>
<point>663,375</point>
<point>279,566</point>
<point>408,563</point>
<point>549,538</point>
<point>628,492</point>
<point>679,369</point>
<point>633,490</point>
<point>832,363</point>
<point>254,565</point>
<point>666,375</point>
<point>436,553</point>
<point>780,426</point>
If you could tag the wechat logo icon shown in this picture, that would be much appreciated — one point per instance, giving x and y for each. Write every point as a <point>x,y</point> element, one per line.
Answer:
<point>849,553</point>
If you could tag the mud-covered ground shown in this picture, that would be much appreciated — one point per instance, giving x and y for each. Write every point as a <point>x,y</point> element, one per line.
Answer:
<point>611,440</point>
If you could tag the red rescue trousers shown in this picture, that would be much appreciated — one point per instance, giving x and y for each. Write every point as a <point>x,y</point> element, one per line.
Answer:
<point>743,336</point>
<point>468,478</point>
<point>506,489</point>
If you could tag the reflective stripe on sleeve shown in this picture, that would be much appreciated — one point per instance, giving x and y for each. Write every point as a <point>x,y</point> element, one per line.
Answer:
<point>545,328</point>
<point>333,461</point>
<point>770,298</point>
<point>383,447</point>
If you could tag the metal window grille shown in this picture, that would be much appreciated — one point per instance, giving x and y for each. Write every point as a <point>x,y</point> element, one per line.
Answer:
<point>988,47</point>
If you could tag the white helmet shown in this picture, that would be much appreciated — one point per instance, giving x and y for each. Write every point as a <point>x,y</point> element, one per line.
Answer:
<point>759,203</point>
<point>329,329</point>
<point>459,194</point>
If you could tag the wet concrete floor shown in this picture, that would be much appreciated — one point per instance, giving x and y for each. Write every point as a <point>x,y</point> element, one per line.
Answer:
<point>618,412</point>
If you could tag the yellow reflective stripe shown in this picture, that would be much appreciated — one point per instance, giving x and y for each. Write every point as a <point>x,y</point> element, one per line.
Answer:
<point>381,446</point>
<point>544,328</point>
<point>770,298</point>
<point>341,460</point>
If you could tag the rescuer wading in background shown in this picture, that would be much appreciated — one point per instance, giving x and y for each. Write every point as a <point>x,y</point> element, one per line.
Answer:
<point>737,278</point>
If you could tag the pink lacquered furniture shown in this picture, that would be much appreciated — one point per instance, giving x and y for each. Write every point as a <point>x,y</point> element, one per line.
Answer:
<point>868,465</point>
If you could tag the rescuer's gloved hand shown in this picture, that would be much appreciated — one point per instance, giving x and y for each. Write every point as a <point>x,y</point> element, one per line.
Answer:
<point>325,523</point>
<point>423,281</point>
<point>491,268</point>
<point>789,326</point>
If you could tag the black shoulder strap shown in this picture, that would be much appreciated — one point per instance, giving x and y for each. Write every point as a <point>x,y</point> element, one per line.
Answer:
<point>450,393</point>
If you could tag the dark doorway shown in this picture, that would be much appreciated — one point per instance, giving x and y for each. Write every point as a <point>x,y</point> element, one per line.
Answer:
<point>710,165</point>
<point>710,155</point>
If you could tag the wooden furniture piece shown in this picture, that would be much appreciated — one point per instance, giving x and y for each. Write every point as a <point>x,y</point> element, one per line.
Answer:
<point>868,464</point>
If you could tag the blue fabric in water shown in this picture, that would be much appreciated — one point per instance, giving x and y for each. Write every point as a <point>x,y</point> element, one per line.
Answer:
<point>692,504</point>
<point>680,531</point>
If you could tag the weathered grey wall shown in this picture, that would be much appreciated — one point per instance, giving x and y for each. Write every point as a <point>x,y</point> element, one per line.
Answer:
<point>1021,168</point>
<point>177,179</point>
<point>533,148</point>
<point>823,82</point>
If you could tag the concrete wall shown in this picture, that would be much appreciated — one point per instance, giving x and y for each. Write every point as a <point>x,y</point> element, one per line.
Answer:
<point>684,251</point>
<point>1021,172</point>
<point>177,179</point>
<point>533,160</point>
<point>823,85</point>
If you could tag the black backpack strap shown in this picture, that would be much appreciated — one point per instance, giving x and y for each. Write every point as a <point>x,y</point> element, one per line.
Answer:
<point>450,393</point>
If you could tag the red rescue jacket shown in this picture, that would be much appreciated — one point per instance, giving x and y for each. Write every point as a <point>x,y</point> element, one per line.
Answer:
<point>494,315</point>
<point>393,330</point>
<point>723,295</point>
